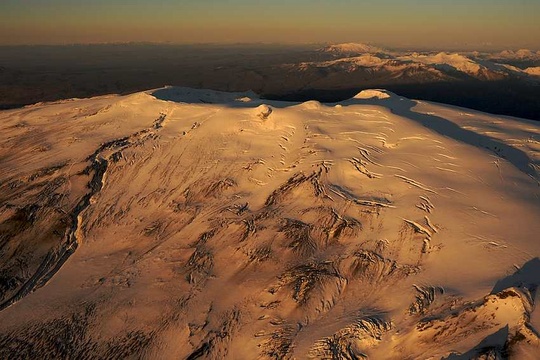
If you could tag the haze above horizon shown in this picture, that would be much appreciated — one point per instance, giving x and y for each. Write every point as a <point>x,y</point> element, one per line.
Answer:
<point>417,23</point>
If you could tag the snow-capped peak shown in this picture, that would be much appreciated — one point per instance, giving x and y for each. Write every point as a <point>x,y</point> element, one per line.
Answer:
<point>352,48</point>
<point>455,60</point>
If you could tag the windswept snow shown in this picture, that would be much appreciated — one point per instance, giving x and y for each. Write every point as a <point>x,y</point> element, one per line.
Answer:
<point>183,223</point>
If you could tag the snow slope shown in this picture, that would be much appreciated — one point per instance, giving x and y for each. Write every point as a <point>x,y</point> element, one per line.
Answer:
<point>182,223</point>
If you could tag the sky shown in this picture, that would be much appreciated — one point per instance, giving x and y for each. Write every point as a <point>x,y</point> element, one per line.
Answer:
<point>397,23</point>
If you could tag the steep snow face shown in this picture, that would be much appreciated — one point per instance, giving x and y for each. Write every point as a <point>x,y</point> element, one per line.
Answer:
<point>352,48</point>
<point>182,223</point>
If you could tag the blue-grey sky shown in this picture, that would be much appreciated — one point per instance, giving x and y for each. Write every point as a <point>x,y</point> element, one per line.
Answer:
<point>421,23</point>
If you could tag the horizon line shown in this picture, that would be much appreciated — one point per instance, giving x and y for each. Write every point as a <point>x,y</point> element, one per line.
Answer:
<point>456,47</point>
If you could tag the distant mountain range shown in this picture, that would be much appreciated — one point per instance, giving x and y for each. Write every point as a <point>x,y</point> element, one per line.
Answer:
<point>360,62</point>
<point>506,82</point>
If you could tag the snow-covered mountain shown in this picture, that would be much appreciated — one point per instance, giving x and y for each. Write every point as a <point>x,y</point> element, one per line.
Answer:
<point>350,49</point>
<point>522,54</point>
<point>190,224</point>
<point>355,71</point>
<point>452,62</point>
